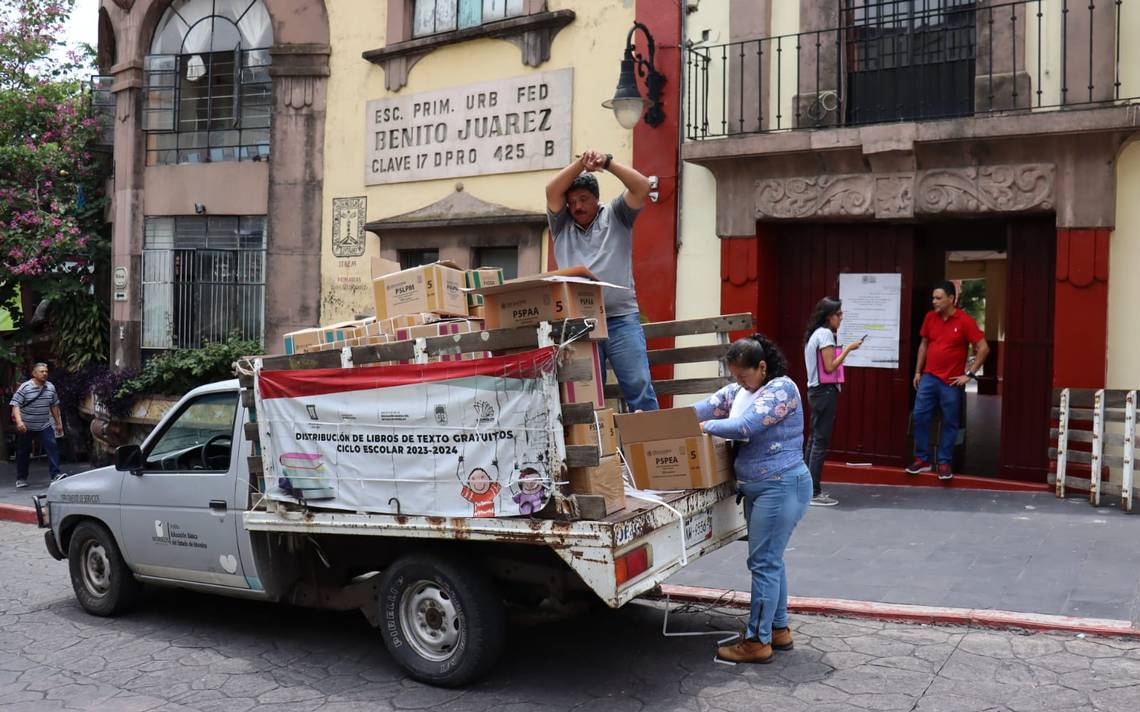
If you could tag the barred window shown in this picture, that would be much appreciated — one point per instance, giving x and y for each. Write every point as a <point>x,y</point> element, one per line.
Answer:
<point>435,16</point>
<point>203,280</point>
<point>207,91</point>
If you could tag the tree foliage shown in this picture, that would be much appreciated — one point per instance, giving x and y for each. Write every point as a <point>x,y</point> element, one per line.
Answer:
<point>53,240</point>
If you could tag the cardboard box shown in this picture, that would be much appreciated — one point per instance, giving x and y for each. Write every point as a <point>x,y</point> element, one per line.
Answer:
<point>529,301</point>
<point>666,450</point>
<point>343,331</point>
<point>590,390</point>
<point>477,312</point>
<point>435,288</point>
<point>601,433</point>
<point>403,321</point>
<point>441,328</point>
<point>298,341</point>
<point>605,479</point>
<point>482,277</point>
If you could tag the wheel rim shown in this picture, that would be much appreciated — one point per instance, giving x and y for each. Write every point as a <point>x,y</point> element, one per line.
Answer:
<point>430,621</point>
<point>96,569</point>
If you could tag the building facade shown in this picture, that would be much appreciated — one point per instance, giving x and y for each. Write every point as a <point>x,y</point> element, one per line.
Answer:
<point>447,118</point>
<point>216,197</point>
<point>982,141</point>
<point>266,150</point>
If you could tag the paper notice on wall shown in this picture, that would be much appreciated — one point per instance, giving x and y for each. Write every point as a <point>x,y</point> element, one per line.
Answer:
<point>455,439</point>
<point>872,304</point>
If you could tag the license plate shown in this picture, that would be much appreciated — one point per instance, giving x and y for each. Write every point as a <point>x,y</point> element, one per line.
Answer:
<point>698,528</point>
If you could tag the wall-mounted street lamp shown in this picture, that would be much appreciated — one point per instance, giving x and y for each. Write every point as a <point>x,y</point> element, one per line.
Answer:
<point>627,102</point>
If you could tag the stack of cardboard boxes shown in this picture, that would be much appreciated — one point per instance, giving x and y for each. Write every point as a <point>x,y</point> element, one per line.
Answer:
<point>410,304</point>
<point>665,449</point>
<point>606,478</point>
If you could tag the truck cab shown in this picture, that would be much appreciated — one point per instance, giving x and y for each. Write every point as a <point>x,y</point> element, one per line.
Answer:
<point>170,509</point>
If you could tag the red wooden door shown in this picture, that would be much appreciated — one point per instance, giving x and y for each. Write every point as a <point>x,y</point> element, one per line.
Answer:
<point>874,409</point>
<point>1028,368</point>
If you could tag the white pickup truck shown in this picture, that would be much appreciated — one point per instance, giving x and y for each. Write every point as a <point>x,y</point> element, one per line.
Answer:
<point>184,510</point>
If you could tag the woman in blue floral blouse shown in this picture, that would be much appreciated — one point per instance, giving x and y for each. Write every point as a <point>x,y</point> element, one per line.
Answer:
<point>763,413</point>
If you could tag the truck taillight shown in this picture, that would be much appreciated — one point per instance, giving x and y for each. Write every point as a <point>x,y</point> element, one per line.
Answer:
<point>632,564</point>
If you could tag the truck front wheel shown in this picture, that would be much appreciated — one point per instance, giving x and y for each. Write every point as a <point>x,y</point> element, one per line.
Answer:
<point>441,619</point>
<point>102,581</point>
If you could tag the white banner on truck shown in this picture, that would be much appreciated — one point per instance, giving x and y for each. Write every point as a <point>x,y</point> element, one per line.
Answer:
<point>474,438</point>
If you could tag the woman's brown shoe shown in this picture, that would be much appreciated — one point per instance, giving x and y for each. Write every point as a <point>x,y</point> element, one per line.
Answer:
<point>782,639</point>
<point>745,651</point>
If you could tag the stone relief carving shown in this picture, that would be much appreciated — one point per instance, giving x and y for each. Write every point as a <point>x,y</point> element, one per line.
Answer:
<point>822,196</point>
<point>894,196</point>
<point>988,189</point>
<point>297,92</point>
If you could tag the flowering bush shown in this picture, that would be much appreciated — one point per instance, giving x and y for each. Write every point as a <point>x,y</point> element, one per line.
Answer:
<point>52,235</point>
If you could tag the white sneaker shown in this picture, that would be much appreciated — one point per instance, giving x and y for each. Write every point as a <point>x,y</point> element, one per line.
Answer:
<point>20,484</point>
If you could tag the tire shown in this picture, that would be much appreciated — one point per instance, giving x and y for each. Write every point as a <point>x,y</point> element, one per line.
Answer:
<point>441,619</point>
<point>101,580</point>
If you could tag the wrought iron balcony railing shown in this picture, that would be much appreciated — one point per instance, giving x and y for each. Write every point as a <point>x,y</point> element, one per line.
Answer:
<point>911,60</point>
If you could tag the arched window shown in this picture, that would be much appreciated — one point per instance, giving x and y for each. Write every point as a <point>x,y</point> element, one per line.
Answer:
<point>207,83</point>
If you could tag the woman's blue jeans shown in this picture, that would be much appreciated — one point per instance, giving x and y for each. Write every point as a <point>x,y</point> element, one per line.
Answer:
<point>772,509</point>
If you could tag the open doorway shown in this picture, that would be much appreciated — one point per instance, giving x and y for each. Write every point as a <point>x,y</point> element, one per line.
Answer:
<point>974,256</point>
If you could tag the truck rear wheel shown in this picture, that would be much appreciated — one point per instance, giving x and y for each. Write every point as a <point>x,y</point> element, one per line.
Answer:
<point>441,619</point>
<point>102,581</point>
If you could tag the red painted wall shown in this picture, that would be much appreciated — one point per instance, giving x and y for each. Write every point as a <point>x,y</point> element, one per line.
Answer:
<point>739,269</point>
<point>656,152</point>
<point>1080,326</point>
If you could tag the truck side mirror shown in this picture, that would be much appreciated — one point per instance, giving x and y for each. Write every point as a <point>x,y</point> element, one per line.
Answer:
<point>128,457</point>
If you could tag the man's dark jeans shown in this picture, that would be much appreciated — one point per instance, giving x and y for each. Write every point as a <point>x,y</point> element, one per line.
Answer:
<point>24,451</point>
<point>824,400</point>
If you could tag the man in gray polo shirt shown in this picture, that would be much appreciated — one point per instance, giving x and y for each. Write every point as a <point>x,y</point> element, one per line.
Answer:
<point>35,411</point>
<point>601,238</point>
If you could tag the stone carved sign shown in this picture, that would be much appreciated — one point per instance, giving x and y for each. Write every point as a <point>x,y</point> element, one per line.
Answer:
<point>349,216</point>
<point>501,126</point>
<point>987,189</point>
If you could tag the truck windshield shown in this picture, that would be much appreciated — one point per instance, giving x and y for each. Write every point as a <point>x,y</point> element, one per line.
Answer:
<point>206,419</point>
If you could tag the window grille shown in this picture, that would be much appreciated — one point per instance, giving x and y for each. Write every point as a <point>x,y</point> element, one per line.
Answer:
<point>207,91</point>
<point>103,110</point>
<point>909,59</point>
<point>203,280</point>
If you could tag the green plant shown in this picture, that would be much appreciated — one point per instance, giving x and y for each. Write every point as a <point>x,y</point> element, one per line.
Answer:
<point>180,370</point>
<point>81,325</point>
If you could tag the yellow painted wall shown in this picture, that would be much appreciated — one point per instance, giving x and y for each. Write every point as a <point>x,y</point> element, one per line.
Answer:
<point>782,83</point>
<point>1123,287</point>
<point>592,45</point>
<point>698,263</point>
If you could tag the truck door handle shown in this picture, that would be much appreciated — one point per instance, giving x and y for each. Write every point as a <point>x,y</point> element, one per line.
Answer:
<point>218,505</point>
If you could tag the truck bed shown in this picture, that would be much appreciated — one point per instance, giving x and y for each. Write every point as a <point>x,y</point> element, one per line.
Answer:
<point>588,546</point>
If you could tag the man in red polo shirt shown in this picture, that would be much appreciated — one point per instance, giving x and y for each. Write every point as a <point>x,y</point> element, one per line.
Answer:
<point>941,375</point>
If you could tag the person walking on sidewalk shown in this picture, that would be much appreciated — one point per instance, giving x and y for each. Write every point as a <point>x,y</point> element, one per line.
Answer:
<point>35,411</point>
<point>824,361</point>
<point>763,413</point>
<point>947,332</point>
<point>601,238</point>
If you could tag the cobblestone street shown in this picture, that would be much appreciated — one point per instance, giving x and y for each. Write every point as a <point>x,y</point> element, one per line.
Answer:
<point>182,651</point>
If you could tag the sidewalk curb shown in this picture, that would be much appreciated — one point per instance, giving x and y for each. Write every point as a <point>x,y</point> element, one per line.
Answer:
<point>914,613</point>
<point>17,513</point>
